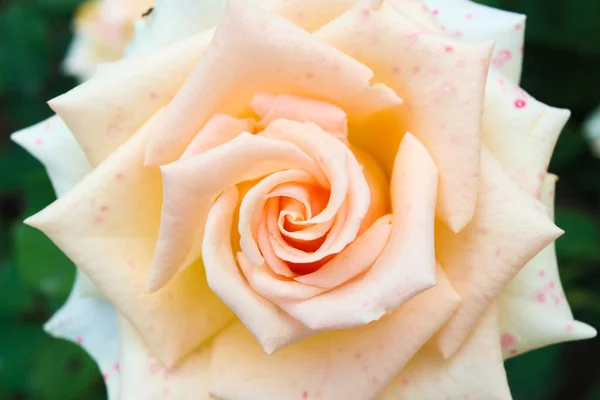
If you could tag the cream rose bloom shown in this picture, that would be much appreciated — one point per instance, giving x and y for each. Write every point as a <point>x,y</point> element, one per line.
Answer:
<point>102,30</point>
<point>307,199</point>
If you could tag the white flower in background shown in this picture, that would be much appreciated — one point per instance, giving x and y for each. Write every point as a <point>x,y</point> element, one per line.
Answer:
<point>591,129</point>
<point>102,30</point>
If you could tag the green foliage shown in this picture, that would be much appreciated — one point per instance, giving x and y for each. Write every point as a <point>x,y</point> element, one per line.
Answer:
<point>562,65</point>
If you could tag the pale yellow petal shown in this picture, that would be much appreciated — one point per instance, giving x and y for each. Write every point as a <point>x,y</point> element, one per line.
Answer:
<point>508,230</point>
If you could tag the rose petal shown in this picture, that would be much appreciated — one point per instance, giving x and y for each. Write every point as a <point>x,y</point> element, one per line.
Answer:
<point>348,364</point>
<point>470,21</point>
<point>533,309</point>
<point>219,129</point>
<point>105,111</point>
<point>90,322</point>
<point>443,81</point>
<point>272,327</point>
<point>407,265</point>
<point>347,185</point>
<point>88,225</point>
<point>187,198</point>
<point>255,51</point>
<point>143,377</point>
<point>249,216</point>
<point>173,21</point>
<point>51,142</point>
<point>508,230</point>
<point>353,260</point>
<point>520,131</point>
<point>476,371</point>
<point>270,107</point>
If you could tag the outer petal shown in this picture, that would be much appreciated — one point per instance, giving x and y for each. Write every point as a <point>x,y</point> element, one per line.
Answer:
<point>475,372</point>
<point>255,51</point>
<point>91,322</point>
<point>520,131</point>
<point>407,264</point>
<point>86,318</point>
<point>174,20</point>
<point>533,309</point>
<point>53,145</point>
<point>352,364</point>
<point>88,225</point>
<point>442,81</point>
<point>470,21</point>
<point>145,378</point>
<point>105,111</point>
<point>509,228</point>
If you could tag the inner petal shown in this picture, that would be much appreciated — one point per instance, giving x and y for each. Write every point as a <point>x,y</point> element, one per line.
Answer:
<point>329,117</point>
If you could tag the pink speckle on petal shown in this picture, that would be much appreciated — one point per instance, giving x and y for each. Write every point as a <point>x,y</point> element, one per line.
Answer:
<point>120,177</point>
<point>550,285</point>
<point>469,16</point>
<point>39,141</point>
<point>518,26</point>
<point>305,395</point>
<point>366,13</point>
<point>540,297</point>
<point>106,376</point>
<point>513,352</point>
<point>310,75</point>
<point>520,103</point>
<point>448,48</point>
<point>570,328</point>
<point>507,340</point>
<point>542,273</point>
<point>47,126</point>
<point>117,367</point>
<point>396,70</point>
<point>435,11</point>
<point>154,368</point>
<point>98,220</point>
<point>104,208</point>
<point>416,70</point>
<point>79,340</point>
<point>153,95</point>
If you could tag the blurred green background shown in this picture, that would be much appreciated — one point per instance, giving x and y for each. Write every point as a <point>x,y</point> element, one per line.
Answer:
<point>562,68</point>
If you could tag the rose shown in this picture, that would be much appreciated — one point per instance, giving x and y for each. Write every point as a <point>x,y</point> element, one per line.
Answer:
<point>333,111</point>
<point>102,29</point>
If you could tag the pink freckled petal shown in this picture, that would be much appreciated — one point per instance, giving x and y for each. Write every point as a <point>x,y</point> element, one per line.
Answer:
<point>396,70</point>
<point>406,381</point>
<point>104,208</point>
<point>518,26</point>
<point>435,11</point>
<point>497,251</point>
<point>513,352</point>
<point>366,13</point>
<point>570,328</point>
<point>153,95</point>
<point>550,285</point>
<point>106,376</point>
<point>39,141</point>
<point>448,48</point>
<point>47,126</point>
<point>310,75</point>
<point>469,16</point>
<point>117,367</point>
<point>541,273</point>
<point>79,340</point>
<point>416,70</point>
<point>154,368</point>
<point>305,395</point>
<point>87,150</point>
<point>520,103</point>
<point>98,220</point>
<point>358,356</point>
<point>120,177</point>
